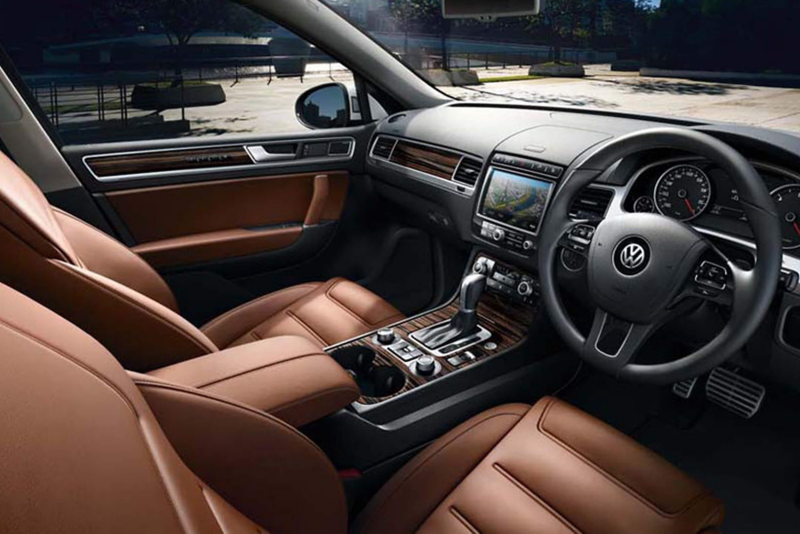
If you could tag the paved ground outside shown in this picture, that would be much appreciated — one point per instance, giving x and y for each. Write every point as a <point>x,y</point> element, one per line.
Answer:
<point>257,107</point>
<point>768,107</point>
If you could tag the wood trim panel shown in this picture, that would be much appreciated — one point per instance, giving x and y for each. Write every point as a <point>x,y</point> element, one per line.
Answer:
<point>434,161</point>
<point>168,160</point>
<point>160,213</point>
<point>507,320</point>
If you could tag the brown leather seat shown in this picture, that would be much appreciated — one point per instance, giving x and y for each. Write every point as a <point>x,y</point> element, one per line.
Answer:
<point>92,456</point>
<point>111,293</point>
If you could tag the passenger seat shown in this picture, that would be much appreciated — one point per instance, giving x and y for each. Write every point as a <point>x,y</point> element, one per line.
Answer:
<point>108,291</point>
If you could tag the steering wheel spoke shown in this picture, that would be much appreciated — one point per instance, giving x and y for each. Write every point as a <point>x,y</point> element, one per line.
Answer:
<point>613,343</point>
<point>714,279</point>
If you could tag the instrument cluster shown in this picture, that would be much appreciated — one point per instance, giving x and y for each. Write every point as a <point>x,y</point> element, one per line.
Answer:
<point>697,190</point>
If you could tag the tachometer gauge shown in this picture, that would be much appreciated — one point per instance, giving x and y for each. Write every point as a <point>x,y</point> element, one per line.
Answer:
<point>787,200</point>
<point>683,192</point>
<point>644,205</point>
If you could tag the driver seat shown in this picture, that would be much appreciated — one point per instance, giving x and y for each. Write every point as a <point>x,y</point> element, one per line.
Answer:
<point>82,451</point>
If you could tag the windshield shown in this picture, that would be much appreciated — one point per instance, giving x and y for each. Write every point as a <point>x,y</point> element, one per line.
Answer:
<point>721,60</point>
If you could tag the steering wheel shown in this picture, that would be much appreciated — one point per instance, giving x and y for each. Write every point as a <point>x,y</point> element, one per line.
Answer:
<point>645,269</point>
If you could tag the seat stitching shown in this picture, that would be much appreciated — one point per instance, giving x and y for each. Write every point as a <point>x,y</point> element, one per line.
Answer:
<point>259,368</point>
<point>611,478</point>
<point>342,305</point>
<point>307,327</point>
<point>259,299</point>
<point>463,520</point>
<point>114,388</point>
<point>138,306</point>
<point>435,453</point>
<point>536,497</point>
<point>329,294</point>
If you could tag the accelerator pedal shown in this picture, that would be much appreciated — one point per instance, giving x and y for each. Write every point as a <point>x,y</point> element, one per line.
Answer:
<point>734,392</point>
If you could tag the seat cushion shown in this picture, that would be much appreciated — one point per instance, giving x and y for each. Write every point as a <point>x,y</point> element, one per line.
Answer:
<point>551,468</point>
<point>325,313</point>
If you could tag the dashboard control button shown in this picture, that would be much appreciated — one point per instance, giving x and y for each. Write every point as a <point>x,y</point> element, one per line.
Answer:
<point>455,361</point>
<point>426,365</point>
<point>386,336</point>
<point>527,244</point>
<point>499,234</point>
<point>524,289</point>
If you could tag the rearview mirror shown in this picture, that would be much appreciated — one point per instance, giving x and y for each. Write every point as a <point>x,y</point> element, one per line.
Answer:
<point>324,106</point>
<point>488,10</point>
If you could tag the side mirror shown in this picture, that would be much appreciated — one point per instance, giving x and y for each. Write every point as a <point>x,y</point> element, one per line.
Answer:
<point>324,106</point>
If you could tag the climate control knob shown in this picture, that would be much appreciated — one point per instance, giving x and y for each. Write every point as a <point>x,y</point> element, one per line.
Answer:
<point>499,234</point>
<point>524,289</point>
<point>385,336</point>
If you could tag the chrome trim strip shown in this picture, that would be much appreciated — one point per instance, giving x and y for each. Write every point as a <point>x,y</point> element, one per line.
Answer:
<point>482,334</point>
<point>243,146</point>
<point>600,334</point>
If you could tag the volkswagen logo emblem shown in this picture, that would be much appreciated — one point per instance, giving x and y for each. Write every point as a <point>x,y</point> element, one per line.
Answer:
<point>632,256</point>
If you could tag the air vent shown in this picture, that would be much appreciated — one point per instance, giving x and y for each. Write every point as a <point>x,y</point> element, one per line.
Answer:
<point>383,147</point>
<point>591,203</point>
<point>468,171</point>
<point>738,394</point>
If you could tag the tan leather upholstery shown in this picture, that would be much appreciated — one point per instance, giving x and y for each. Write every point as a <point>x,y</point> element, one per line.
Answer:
<point>287,376</point>
<point>105,256</point>
<point>83,452</point>
<point>549,469</point>
<point>216,245</point>
<point>170,211</point>
<point>326,313</point>
<point>111,293</point>
<point>269,471</point>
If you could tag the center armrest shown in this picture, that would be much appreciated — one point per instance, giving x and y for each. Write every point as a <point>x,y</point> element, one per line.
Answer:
<point>287,376</point>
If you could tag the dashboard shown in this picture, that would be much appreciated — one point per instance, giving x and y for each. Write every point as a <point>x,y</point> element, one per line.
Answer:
<point>483,176</point>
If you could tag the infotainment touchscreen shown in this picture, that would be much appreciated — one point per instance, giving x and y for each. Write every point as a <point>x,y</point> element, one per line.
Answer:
<point>516,200</point>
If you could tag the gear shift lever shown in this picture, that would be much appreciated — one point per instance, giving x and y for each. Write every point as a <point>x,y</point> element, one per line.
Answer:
<point>465,321</point>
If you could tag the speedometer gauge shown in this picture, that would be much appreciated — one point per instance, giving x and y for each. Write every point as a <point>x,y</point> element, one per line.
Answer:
<point>683,192</point>
<point>787,200</point>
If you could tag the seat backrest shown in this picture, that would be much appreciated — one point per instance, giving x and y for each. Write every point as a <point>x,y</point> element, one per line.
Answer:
<point>81,450</point>
<point>90,279</point>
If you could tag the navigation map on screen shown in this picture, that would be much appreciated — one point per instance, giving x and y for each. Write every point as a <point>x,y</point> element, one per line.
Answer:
<point>516,200</point>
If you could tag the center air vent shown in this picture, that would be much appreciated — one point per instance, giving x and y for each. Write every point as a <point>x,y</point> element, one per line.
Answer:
<point>468,171</point>
<point>383,147</point>
<point>591,203</point>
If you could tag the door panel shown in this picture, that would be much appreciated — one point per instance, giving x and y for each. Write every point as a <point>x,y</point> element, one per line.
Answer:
<point>205,221</point>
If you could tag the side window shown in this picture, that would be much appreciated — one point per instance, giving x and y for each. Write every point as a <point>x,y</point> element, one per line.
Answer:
<point>115,70</point>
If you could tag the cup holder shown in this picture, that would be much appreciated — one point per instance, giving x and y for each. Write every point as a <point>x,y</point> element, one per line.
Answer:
<point>375,381</point>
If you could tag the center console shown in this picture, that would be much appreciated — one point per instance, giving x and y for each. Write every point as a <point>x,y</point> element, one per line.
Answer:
<point>513,202</point>
<point>492,314</point>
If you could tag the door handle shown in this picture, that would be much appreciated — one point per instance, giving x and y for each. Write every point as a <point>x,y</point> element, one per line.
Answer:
<point>262,155</point>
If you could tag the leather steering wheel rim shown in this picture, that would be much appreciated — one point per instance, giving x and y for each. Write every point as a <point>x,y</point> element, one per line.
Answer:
<point>753,291</point>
